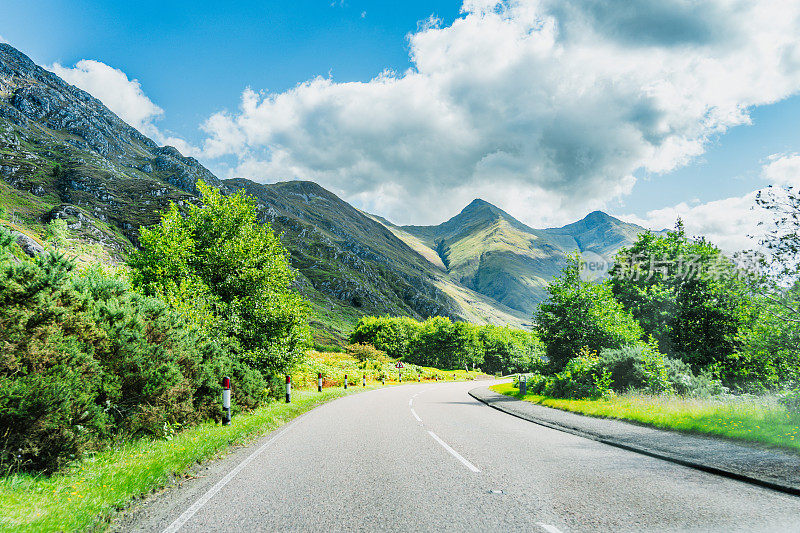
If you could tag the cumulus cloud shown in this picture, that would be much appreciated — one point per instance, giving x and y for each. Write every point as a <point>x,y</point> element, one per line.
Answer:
<point>734,223</point>
<point>526,102</point>
<point>123,96</point>
<point>782,169</point>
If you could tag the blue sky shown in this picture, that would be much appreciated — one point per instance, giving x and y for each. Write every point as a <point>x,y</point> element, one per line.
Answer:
<point>222,80</point>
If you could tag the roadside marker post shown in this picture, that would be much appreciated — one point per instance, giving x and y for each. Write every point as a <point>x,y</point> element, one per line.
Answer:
<point>523,384</point>
<point>288,389</point>
<point>319,381</point>
<point>401,377</point>
<point>383,381</point>
<point>226,400</point>
<point>364,381</point>
<point>345,382</point>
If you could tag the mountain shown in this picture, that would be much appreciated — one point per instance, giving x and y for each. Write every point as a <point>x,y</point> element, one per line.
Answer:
<point>64,155</point>
<point>489,251</point>
<point>349,261</point>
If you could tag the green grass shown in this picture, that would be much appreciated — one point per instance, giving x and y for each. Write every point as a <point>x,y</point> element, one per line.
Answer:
<point>86,496</point>
<point>757,419</point>
<point>334,366</point>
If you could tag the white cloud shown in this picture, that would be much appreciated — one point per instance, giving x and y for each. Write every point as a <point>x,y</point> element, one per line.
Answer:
<point>3,40</point>
<point>735,223</point>
<point>526,102</point>
<point>123,96</point>
<point>782,169</point>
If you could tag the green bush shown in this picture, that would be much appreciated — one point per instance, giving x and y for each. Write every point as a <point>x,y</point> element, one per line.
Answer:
<point>364,352</point>
<point>791,400</point>
<point>229,276</point>
<point>393,335</point>
<point>684,382</point>
<point>639,367</point>
<point>584,376</point>
<point>85,359</point>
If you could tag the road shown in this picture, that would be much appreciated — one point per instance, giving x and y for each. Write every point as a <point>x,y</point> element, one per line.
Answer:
<point>431,458</point>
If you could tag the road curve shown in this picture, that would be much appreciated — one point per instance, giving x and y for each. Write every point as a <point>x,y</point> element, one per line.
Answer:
<point>431,458</point>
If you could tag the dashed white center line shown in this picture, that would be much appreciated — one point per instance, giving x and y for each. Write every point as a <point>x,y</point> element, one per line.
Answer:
<point>413,412</point>
<point>410,401</point>
<point>453,452</point>
<point>548,528</point>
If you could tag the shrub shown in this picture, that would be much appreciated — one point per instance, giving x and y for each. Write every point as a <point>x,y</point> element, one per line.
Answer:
<point>684,382</point>
<point>584,376</point>
<point>393,335</point>
<point>510,350</point>
<point>84,358</point>
<point>363,352</point>
<point>791,400</point>
<point>640,367</point>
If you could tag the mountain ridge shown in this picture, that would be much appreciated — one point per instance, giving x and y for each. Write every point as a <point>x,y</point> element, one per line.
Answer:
<point>64,155</point>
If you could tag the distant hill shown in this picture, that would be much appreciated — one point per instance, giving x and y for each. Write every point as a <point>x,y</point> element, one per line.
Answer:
<point>351,260</point>
<point>489,251</point>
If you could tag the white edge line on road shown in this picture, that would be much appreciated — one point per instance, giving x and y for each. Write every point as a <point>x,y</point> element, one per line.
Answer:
<point>196,506</point>
<point>410,401</point>
<point>413,412</point>
<point>548,528</point>
<point>453,452</point>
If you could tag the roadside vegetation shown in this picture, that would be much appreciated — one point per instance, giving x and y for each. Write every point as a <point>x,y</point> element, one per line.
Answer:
<point>439,342</point>
<point>760,418</point>
<point>84,496</point>
<point>681,336</point>
<point>111,376</point>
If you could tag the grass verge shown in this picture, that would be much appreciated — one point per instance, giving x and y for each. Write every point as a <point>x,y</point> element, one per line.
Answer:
<point>757,419</point>
<point>86,496</point>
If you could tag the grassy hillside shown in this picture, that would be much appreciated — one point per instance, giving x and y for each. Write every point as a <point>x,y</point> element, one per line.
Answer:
<point>488,251</point>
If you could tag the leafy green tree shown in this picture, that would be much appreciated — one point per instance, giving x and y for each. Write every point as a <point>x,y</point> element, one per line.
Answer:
<point>581,315</point>
<point>509,350</point>
<point>393,335</point>
<point>686,294</point>
<point>230,275</point>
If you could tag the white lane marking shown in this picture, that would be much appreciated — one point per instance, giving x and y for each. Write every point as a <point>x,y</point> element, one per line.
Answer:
<point>453,452</point>
<point>409,402</point>
<point>413,412</point>
<point>196,506</point>
<point>548,528</point>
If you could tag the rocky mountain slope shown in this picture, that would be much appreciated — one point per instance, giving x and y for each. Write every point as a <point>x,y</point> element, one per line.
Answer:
<point>350,259</point>
<point>489,251</point>
<point>65,156</point>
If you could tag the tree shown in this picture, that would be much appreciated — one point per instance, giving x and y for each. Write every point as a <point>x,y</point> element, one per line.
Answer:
<point>229,275</point>
<point>687,295</point>
<point>581,315</point>
<point>393,335</point>
<point>509,350</point>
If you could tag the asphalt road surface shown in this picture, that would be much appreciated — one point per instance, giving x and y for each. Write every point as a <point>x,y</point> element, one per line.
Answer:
<point>431,458</point>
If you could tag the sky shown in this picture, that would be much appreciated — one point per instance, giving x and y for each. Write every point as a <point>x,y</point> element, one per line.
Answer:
<point>646,109</point>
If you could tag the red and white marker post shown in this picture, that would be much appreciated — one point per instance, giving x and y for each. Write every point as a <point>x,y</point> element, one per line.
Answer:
<point>364,381</point>
<point>319,381</point>
<point>288,389</point>
<point>226,400</point>
<point>345,381</point>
